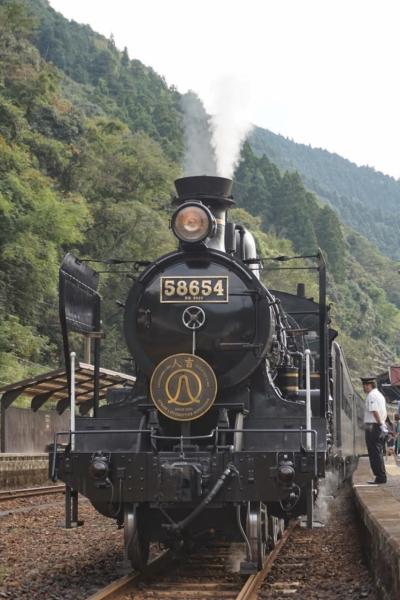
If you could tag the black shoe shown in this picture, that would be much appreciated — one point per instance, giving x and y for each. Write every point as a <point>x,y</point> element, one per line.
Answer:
<point>377,482</point>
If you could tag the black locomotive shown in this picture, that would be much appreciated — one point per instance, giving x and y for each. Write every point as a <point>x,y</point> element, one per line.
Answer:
<point>242,398</point>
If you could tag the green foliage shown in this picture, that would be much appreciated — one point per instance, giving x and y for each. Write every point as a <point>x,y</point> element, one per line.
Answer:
<point>20,346</point>
<point>113,165</point>
<point>11,120</point>
<point>270,246</point>
<point>256,184</point>
<point>124,88</point>
<point>131,230</point>
<point>89,143</point>
<point>364,199</point>
<point>292,214</point>
<point>288,209</point>
<point>35,221</point>
<point>330,237</point>
<point>16,22</point>
<point>361,287</point>
<point>98,186</point>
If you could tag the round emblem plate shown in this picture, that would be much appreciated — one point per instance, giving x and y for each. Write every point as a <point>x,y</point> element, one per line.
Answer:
<point>183,387</point>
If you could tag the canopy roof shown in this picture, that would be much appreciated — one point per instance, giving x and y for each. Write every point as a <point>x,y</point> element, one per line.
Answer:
<point>54,386</point>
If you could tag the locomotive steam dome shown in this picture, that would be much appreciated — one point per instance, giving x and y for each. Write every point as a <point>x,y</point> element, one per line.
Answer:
<point>201,300</point>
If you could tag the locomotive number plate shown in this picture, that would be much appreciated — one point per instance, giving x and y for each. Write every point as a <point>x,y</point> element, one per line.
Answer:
<point>194,289</point>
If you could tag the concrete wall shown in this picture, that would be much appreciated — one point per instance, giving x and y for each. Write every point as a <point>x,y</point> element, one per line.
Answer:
<point>18,471</point>
<point>30,432</point>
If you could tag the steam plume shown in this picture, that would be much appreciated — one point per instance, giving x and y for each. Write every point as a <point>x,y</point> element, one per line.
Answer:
<point>199,154</point>
<point>229,123</point>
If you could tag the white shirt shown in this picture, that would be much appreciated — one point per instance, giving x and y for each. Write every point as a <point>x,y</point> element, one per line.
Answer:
<point>375,401</point>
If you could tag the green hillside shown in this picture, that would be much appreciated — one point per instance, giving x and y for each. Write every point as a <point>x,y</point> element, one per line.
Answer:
<point>110,81</point>
<point>363,284</point>
<point>90,144</point>
<point>364,199</point>
<point>71,179</point>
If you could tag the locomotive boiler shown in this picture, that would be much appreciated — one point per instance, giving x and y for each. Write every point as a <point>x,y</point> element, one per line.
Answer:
<point>236,407</point>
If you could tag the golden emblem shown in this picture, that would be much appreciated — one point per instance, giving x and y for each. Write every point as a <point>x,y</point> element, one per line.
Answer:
<point>183,387</point>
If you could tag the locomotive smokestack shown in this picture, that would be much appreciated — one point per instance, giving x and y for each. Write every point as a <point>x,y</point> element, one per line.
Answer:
<point>213,192</point>
<point>216,189</point>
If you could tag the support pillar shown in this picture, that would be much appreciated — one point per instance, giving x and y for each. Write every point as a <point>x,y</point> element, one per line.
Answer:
<point>71,508</point>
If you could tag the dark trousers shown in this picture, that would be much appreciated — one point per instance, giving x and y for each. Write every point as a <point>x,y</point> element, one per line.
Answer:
<point>375,445</point>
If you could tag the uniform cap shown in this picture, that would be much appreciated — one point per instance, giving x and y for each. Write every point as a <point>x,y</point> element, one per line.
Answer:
<point>368,379</point>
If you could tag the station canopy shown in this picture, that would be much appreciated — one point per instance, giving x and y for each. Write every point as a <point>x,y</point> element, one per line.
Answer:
<point>53,386</point>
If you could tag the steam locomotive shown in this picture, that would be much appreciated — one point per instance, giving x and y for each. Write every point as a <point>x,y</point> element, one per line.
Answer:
<point>242,397</point>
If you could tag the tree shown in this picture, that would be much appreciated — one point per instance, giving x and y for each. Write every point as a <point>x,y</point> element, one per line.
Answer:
<point>16,22</point>
<point>330,239</point>
<point>125,57</point>
<point>292,214</point>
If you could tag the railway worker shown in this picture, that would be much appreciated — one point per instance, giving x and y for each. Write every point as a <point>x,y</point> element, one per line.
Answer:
<point>375,428</point>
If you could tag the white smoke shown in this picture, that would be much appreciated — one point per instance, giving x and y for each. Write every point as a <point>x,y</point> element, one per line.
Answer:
<point>230,125</point>
<point>236,556</point>
<point>328,489</point>
<point>199,158</point>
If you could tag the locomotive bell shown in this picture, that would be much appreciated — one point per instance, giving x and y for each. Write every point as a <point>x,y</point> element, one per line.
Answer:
<point>214,194</point>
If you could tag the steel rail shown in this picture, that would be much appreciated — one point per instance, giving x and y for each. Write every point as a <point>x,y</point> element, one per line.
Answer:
<point>121,586</point>
<point>28,492</point>
<point>113,589</point>
<point>254,582</point>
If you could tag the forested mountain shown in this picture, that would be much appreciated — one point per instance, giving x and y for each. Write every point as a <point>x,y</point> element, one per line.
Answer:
<point>363,285</point>
<point>365,199</point>
<point>111,82</point>
<point>95,185</point>
<point>90,144</point>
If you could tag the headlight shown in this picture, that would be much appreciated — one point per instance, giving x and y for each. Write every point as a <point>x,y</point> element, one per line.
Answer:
<point>193,223</point>
<point>99,467</point>
<point>286,473</point>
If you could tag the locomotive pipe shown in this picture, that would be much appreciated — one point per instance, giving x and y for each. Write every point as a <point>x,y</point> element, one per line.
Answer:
<point>230,238</point>
<point>72,405</point>
<point>247,249</point>
<point>220,483</point>
<point>324,338</point>
<point>308,397</point>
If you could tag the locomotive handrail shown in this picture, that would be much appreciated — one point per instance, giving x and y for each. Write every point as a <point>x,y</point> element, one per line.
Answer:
<point>313,432</point>
<point>114,431</point>
<point>181,438</point>
<point>213,433</point>
<point>185,437</point>
<point>86,431</point>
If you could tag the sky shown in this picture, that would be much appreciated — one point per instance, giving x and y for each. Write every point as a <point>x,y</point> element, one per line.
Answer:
<point>320,72</point>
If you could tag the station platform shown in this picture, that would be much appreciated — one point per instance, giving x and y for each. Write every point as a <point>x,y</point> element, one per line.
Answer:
<point>23,470</point>
<point>378,507</point>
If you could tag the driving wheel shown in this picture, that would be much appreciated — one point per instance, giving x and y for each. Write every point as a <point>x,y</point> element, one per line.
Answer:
<point>257,531</point>
<point>136,546</point>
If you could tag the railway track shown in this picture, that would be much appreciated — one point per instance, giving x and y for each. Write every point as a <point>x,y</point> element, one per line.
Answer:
<point>29,492</point>
<point>201,575</point>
